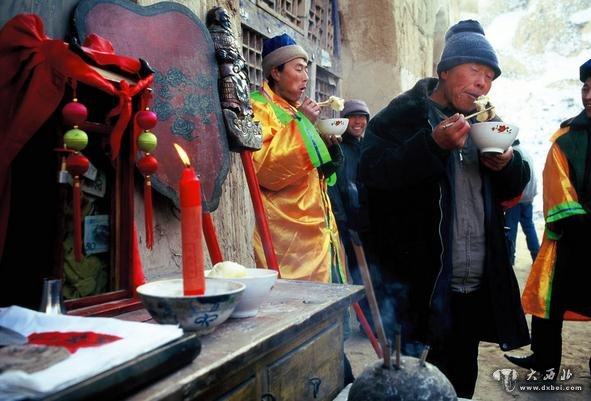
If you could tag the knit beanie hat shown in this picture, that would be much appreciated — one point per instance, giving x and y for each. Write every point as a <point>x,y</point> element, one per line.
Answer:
<point>355,107</point>
<point>279,50</point>
<point>465,43</point>
<point>585,71</point>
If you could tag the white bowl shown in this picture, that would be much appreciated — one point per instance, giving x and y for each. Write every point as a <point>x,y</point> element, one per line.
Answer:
<point>332,126</point>
<point>166,303</point>
<point>493,136</point>
<point>258,286</point>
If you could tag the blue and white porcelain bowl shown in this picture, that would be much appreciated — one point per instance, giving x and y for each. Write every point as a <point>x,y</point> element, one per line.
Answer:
<point>166,303</point>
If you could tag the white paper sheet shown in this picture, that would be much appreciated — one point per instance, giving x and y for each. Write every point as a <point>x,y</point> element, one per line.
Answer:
<point>137,338</point>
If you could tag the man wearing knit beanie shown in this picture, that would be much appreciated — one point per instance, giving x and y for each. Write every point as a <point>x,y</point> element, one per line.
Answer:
<point>294,167</point>
<point>465,43</point>
<point>436,218</point>
<point>344,195</point>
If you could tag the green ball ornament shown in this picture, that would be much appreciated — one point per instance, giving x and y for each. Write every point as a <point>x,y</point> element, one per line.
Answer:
<point>147,141</point>
<point>76,139</point>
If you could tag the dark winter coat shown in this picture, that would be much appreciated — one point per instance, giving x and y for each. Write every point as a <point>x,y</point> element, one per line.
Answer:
<point>344,195</point>
<point>409,199</point>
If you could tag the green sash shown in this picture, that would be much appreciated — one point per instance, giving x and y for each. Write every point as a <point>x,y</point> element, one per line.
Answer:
<point>315,146</point>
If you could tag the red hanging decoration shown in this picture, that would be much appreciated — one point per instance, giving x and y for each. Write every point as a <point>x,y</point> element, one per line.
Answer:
<point>74,113</point>
<point>148,165</point>
<point>77,164</point>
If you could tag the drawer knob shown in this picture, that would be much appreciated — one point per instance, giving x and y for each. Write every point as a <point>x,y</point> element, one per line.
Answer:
<point>315,382</point>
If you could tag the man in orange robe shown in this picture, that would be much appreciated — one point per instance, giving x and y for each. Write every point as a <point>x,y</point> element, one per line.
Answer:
<point>294,167</point>
<point>557,288</point>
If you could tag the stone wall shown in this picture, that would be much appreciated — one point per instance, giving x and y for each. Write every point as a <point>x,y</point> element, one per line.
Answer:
<point>388,45</point>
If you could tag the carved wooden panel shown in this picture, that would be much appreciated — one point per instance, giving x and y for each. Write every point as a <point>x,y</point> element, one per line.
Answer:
<point>177,45</point>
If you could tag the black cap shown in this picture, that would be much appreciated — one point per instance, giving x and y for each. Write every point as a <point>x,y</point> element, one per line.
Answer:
<point>585,71</point>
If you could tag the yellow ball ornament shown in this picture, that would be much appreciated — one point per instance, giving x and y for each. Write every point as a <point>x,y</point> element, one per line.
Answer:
<point>147,141</point>
<point>76,139</point>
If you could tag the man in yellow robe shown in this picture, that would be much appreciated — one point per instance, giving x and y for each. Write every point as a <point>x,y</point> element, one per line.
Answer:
<point>294,167</point>
<point>557,288</point>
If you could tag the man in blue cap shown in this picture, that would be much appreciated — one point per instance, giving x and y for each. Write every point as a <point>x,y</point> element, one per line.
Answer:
<point>437,226</point>
<point>294,167</point>
<point>558,284</point>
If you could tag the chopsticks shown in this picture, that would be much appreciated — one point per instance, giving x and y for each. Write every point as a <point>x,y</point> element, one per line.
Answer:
<point>470,116</point>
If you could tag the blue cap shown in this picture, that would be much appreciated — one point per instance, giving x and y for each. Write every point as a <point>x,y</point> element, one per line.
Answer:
<point>465,43</point>
<point>279,50</point>
<point>276,42</point>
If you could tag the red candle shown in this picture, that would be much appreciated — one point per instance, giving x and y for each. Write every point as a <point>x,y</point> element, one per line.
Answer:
<point>191,231</point>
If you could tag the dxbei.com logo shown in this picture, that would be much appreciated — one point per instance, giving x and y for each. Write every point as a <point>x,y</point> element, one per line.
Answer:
<point>536,381</point>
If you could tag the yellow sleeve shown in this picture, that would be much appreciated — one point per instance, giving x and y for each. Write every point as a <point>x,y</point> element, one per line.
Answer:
<point>282,159</point>
<point>558,188</point>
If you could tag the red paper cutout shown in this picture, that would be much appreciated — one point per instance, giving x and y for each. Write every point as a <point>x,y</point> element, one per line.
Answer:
<point>72,340</point>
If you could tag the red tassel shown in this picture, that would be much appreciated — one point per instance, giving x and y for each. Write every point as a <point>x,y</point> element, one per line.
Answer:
<point>148,212</point>
<point>77,219</point>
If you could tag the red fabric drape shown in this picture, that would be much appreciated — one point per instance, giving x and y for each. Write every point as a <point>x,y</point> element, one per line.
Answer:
<point>35,70</point>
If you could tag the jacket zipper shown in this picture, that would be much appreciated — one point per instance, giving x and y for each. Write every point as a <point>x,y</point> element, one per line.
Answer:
<point>442,248</point>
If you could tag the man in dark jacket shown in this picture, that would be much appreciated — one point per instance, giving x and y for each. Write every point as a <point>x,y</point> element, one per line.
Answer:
<point>436,217</point>
<point>344,194</point>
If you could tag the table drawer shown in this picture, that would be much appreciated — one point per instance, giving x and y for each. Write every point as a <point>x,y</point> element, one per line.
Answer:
<point>312,371</point>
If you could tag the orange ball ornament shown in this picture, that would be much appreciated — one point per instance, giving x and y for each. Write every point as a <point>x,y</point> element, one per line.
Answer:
<point>77,164</point>
<point>147,165</point>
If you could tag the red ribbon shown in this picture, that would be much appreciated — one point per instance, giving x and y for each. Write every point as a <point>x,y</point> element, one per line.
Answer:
<point>123,110</point>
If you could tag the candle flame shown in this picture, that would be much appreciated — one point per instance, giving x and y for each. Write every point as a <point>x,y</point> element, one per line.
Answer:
<point>182,154</point>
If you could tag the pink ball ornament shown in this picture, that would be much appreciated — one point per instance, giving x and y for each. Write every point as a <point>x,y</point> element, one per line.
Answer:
<point>147,141</point>
<point>146,119</point>
<point>74,113</point>
<point>76,139</point>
